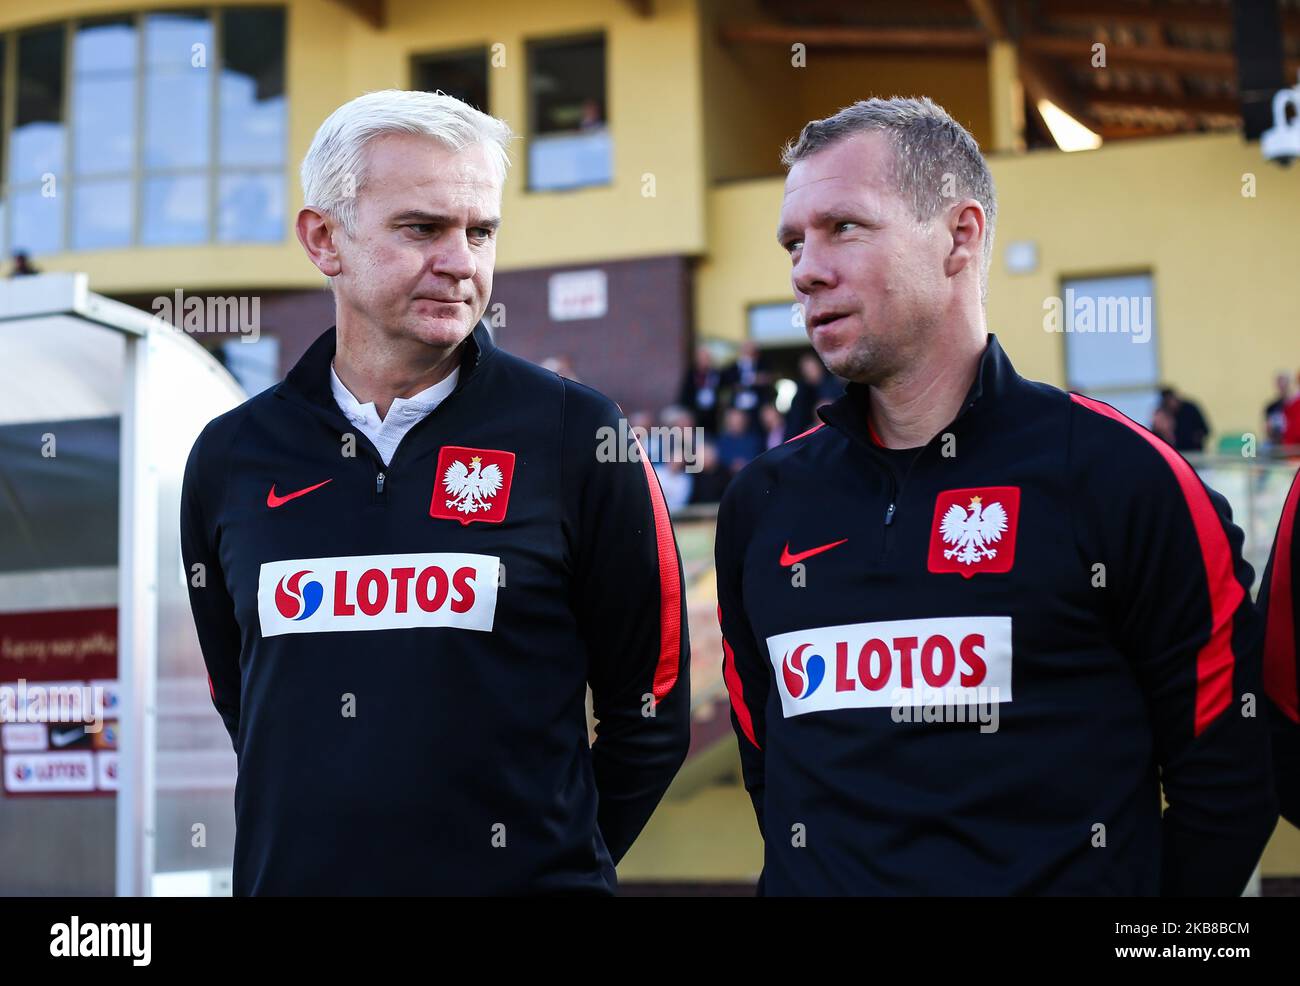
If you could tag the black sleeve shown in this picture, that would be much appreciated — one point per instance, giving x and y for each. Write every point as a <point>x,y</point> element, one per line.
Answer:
<point>630,602</point>
<point>1279,601</point>
<point>745,669</point>
<point>213,609</point>
<point>1179,600</point>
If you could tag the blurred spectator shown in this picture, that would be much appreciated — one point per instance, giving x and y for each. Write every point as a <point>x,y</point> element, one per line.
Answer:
<point>681,423</point>
<point>711,481</point>
<point>1275,412</point>
<point>676,483</point>
<point>562,365</point>
<point>1291,434</point>
<point>1190,429</point>
<point>737,445</point>
<point>750,381</point>
<point>1162,423</point>
<point>700,390</point>
<point>816,387</point>
<point>22,265</point>
<point>592,118</point>
<point>773,424</point>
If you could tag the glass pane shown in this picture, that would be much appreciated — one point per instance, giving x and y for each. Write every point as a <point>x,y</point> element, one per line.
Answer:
<point>101,214</point>
<point>251,208</point>
<point>463,76</point>
<point>1110,332</point>
<point>252,87</point>
<point>176,107</point>
<point>776,323</point>
<point>195,767</point>
<point>103,97</point>
<point>570,160</point>
<point>38,135</point>
<point>566,86</point>
<point>103,125</point>
<point>177,90</point>
<point>106,46</point>
<point>38,221</point>
<point>178,40</point>
<point>256,365</point>
<point>175,210</point>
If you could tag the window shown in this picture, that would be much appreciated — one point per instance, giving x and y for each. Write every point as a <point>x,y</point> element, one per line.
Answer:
<point>36,144</point>
<point>256,365</point>
<point>103,132</point>
<point>172,130</point>
<point>569,145</point>
<point>463,75</point>
<point>1110,342</point>
<point>175,204</point>
<point>777,323</point>
<point>252,135</point>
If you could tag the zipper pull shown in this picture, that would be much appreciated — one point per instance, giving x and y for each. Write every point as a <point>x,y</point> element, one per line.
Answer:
<point>889,515</point>
<point>379,484</point>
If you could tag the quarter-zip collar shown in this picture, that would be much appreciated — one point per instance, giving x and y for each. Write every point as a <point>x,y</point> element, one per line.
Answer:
<point>995,377</point>
<point>308,385</point>
<point>309,380</point>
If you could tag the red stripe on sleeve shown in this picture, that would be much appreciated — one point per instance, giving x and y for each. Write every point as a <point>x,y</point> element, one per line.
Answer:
<point>670,588</point>
<point>1215,660</point>
<point>1280,669</point>
<point>736,689</point>
<point>819,424</point>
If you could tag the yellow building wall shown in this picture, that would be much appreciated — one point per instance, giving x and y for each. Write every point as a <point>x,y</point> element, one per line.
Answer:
<point>652,72</point>
<point>1225,267</point>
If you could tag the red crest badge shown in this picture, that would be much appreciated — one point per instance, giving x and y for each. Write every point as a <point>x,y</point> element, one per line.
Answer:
<point>472,484</point>
<point>975,530</point>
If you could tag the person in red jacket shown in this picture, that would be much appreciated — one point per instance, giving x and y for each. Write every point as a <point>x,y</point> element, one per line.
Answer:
<point>1279,600</point>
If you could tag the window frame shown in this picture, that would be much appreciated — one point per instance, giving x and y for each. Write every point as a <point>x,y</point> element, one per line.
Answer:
<point>212,172</point>
<point>531,47</point>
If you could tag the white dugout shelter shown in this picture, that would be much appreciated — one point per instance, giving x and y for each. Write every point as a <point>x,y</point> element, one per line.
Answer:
<point>129,790</point>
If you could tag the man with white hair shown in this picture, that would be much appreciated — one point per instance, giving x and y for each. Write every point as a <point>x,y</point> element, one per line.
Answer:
<point>410,561</point>
<point>974,625</point>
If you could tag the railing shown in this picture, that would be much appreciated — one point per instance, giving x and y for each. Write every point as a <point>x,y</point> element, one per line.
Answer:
<point>1255,488</point>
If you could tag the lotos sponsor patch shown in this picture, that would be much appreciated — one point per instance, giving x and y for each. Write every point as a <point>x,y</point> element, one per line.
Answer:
<point>957,659</point>
<point>378,592</point>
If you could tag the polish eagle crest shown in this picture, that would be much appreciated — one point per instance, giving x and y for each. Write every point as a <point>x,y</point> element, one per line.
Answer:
<point>971,534</point>
<point>471,487</point>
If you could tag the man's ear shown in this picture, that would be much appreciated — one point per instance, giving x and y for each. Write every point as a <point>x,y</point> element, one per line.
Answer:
<point>966,227</point>
<point>316,232</point>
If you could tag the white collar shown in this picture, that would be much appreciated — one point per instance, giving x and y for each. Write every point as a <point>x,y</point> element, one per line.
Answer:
<point>413,408</point>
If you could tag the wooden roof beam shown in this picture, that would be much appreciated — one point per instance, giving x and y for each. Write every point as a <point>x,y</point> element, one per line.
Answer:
<point>961,40</point>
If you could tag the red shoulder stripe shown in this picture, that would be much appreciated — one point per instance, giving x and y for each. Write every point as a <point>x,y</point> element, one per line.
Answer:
<point>1215,660</point>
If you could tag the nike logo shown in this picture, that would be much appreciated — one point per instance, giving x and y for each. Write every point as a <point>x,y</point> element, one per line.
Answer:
<point>58,739</point>
<point>273,501</point>
<point>789,559</point>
